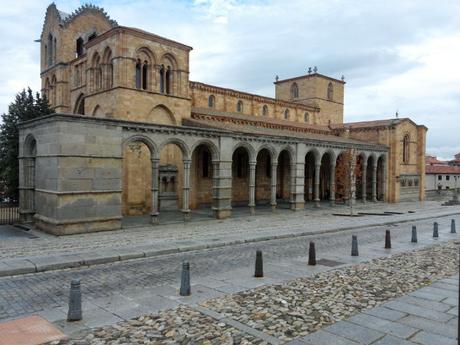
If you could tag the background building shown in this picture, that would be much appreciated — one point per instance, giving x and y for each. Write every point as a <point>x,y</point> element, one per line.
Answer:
<point>143,139</point>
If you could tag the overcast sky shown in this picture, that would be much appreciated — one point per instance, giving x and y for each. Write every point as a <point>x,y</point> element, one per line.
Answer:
<point>396,55</point>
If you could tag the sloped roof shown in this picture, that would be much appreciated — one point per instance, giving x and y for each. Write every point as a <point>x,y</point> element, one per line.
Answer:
<point>372,124</point>
<point>442,169</point>
<point>248,125</point>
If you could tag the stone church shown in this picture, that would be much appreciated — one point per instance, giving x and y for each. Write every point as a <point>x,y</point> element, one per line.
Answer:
<point>132,136</point>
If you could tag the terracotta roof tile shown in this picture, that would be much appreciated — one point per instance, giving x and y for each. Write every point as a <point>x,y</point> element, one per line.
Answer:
<point>442,169</point>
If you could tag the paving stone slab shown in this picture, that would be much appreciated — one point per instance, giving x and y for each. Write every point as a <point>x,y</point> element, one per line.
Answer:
<point>418,311</point>
<point>16,266</point>
<point>385,313</point>
<point>382,325</point>
<point>51,263</point>
<point>439,292</point>
<point>391,340</point>
<point>444,329</point>
<point>325,338</point>
<point>426,338</point>
<point>354,332</point>
<point>424,303</point>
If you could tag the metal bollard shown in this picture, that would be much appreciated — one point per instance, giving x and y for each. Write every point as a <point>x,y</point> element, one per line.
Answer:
<point>435,230</point>
<point>387,239</point>
<point>312,254</point>
<point>354,245</point>
<point>259,271</point>
<point>75,312</point>
<point>414,234</point>
<point>452,227</point>
<point>185,289</point>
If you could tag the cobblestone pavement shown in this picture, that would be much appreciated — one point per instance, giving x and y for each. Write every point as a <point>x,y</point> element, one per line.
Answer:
<point>313,310</point>
<point>245,227</point>
<point>217,271</point>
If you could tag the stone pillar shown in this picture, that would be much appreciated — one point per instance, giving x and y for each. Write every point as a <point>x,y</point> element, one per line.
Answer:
<point>222,175</point>
<point>155,180</point>
<point>252,187</point>
<point>332,184</point>
<point>317,171</point>
<point>186,190</point>
<point>364,181</point>
<point>374,180</point>
<point>384,178</point>
<point>273,186</point>
<point>352,177</point>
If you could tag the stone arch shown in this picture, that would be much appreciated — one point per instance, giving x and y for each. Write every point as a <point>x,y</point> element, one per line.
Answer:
<point>144,53</point>
<point>30,146</point>
<point>97,112</point>
<point>211,146</point>
<point>248,147</point>
<point>179,143</point>
<point>146,140</point>
<point>332,153</point>
<point>108,68</point>
<point>161,114</point>
<point>170,59</point>
<point>316,153</point>
<point>80,105</point>
<point>290,150</point>
<point>270,149</point>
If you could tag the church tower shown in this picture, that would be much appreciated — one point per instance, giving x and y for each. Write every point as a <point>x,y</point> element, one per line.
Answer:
<point>317,90</point>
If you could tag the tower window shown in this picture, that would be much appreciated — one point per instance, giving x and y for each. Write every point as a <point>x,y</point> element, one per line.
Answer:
<point>92,36</point>
<point>239,106</point>
<point>330,92</point>
<point>145,75</point>
<point>306,117</point>
<point>168,80</point>
<point>162,81</point>
<point>138,75</point>
<point>294,91</point>
<point>211,101</point>
<point>265,110</point>
<point>286,114</point>
<point>406,143</point>
<point>79,47</point>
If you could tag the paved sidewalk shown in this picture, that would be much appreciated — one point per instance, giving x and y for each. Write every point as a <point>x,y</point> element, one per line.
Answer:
<point>46,253</point>
<point>128,304</point>
<point>428,316</point>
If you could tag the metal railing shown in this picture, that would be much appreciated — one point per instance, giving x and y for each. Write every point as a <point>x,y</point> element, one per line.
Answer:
<point>9,213</point>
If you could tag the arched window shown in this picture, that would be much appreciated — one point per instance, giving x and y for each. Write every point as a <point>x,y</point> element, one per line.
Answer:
<point>50,53</point>
<point>294,91</point>
<point>97,72</point>
<point>330,92</point>
<point>53,91</point>
<point>168,80</point>
<point>406,148</point>
<point>54,50</point>
<point>286,114</point>
<point>265,110</point>
<point>162,81</point>
<point>47,90</point>
<point>80,105</point>
<point>144,75</point>
<point>211,101</point>
<point>138,74</point>
<point>239,106</point>
<point>306,117</point>
<point>79,48</point>
<point>108,68</point>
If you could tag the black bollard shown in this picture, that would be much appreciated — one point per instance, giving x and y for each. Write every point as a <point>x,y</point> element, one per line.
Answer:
<point>185,289</point>
<point>414,234</point>
<point>452,227</point>
<point>75,312</point>
<point>435,230</point>
<point>312,254</point>
<point>354,245</point>
<point>387,239</point>
<point>259,272</point>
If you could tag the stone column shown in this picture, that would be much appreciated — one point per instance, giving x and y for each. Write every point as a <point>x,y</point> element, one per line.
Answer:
<point>384,178</point>
<point>364,181</point>
<point>223,189</point>
<point>155,177</point>
<point>374,180</point>
<point>186,190</point>
<point>273,186</point>
<point>292,186</point>
<point>317,171</point>
<point>252,187</point>
<point>332,184</point>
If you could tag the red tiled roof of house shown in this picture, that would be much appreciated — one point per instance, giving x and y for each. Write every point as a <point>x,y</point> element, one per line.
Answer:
<point>433,160</point>
<point>442,169</point>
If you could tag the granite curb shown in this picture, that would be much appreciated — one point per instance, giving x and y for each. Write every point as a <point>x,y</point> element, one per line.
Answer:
<point>14,267</point>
